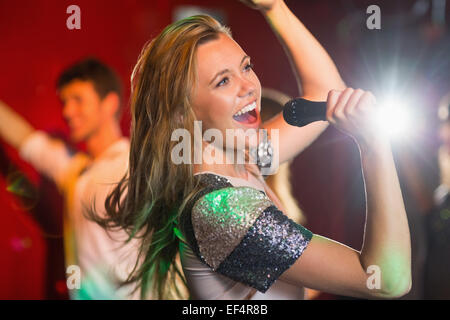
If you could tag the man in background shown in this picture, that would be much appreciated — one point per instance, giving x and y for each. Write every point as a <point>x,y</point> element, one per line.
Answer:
<point>91,96</point>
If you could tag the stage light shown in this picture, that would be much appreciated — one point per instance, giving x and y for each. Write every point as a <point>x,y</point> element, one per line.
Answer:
<point>393,118</point>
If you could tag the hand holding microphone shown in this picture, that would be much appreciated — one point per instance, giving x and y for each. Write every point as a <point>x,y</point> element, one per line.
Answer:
<point>351,111</point>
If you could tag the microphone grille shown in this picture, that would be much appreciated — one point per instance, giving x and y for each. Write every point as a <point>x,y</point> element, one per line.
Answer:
<point>293,112</point>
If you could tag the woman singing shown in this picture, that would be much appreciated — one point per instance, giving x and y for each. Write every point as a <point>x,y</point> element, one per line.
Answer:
<point>228,227</point>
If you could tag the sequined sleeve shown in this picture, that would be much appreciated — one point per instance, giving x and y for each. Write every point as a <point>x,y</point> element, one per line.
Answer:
<point>239,233</point>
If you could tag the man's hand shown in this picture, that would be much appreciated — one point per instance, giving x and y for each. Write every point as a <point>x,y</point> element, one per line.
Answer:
<point>263,5</point>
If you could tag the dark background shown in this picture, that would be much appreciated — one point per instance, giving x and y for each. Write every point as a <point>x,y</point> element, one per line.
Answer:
<point>408,57</point>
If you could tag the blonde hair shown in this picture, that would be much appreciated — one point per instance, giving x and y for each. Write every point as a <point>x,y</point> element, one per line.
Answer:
<point>148,201</point>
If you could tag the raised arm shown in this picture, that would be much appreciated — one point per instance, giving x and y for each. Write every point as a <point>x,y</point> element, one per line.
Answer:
<point>315,72</point>
<point>269,246</point>
<point>47,155</point>
<point>330,266</point>
<point>14,129</point>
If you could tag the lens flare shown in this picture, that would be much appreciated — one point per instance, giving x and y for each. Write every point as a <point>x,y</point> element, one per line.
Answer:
<point>27,194</point>
<point>393,118</point>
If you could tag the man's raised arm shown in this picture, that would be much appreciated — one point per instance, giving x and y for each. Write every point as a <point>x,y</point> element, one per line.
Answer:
<point>14,129</point>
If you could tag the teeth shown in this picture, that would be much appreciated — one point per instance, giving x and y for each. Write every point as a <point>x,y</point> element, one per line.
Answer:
<point>247,108</point>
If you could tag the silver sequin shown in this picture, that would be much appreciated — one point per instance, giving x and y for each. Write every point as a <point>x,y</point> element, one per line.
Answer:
<point>222,218</point>
<point>269,248</point>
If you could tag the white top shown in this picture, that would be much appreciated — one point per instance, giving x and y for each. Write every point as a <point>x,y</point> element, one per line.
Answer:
<point>103,259</point>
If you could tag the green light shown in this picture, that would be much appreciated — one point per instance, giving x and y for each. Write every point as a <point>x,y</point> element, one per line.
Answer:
<point>445,214</point>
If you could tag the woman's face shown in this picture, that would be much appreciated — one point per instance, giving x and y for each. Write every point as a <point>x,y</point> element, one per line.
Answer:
<point>227,93</point>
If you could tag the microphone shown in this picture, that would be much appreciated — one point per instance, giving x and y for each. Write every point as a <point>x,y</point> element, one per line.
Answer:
<point>300,112</point>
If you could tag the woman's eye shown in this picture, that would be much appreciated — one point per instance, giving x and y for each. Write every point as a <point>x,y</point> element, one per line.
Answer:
<point>222,82</point>
<point>249,66</point>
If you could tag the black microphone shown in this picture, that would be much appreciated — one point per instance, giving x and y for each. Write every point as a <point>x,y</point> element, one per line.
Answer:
<point>300,112</point>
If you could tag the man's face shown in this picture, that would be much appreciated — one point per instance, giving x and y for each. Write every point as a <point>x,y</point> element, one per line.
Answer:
<point>82,109</point>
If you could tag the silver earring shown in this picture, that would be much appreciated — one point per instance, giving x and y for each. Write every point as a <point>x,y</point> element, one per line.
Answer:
<point>264,152</point>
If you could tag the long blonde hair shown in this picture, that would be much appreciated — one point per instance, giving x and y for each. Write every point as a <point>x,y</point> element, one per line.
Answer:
<point>148,201</point>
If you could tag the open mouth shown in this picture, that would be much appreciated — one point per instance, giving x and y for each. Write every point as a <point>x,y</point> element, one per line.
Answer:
<point>247,115</point>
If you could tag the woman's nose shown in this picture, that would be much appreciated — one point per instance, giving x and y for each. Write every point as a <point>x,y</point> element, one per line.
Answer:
<point>247,87</point>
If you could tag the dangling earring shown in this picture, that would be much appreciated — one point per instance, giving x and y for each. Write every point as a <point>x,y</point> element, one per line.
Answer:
<point>264,152</point>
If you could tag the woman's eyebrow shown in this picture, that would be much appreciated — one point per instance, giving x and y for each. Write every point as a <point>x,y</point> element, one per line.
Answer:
<point>227,70</point>
<point>219,74</point>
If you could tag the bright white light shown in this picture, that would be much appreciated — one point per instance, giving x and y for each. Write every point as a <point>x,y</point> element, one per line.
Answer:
<point>393,118</point>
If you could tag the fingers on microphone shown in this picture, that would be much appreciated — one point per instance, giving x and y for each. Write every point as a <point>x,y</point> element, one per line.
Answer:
<point>348,105</point>
<point>333,97</point>
<point>337,112</point>
<point>353,102</point>
<point>366,102</point>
